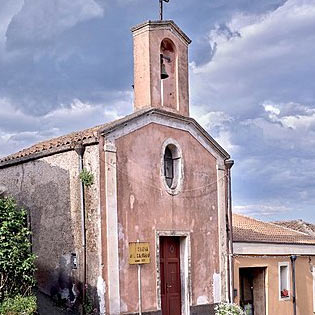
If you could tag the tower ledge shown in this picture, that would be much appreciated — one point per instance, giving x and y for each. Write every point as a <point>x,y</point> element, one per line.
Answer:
<point>161,25</point>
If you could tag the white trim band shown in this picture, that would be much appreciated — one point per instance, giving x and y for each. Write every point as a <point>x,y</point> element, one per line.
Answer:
<point>242,248</point>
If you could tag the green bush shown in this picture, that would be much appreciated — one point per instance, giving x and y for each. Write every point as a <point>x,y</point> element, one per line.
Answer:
<point>228,309</point>
<point>16,260</point>
<point>19,305</point>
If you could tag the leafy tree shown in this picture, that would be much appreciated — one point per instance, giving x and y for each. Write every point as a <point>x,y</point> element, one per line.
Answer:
<point>16,260</point>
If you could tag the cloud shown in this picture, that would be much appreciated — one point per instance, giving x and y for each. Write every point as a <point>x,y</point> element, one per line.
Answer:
<point>56,51</point>
<point>44,20</point>
<point>261,210</point>
<point>275,160</point>
<point>75,116</point>
<point>256,96</point>
<point>287,126</point>
<point>266,52</point>
<point>8,10</point>
<point>218,124</point>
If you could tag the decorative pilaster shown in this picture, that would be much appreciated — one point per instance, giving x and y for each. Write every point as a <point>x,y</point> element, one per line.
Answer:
<point>223,250</point>
<point>112,228</point>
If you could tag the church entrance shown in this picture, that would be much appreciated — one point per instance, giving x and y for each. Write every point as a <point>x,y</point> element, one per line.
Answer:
<point>170,275</point>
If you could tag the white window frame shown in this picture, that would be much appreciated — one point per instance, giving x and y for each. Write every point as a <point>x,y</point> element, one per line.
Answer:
<point>284,264</point>
<point>313,272</point>
<point>177,185</point>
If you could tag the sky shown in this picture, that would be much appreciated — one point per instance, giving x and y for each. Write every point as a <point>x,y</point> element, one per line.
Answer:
<point>68,65</point>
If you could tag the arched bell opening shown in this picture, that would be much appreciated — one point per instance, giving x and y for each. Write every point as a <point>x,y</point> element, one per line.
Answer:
<point>168,62</point>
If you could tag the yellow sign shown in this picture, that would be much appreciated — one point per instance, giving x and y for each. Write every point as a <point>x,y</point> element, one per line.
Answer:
<point>139,253</point>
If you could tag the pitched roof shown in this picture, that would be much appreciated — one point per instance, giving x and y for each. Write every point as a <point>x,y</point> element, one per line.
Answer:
<point>247,229</point>
<point>298,225</point>
<point>91,136</point>
<point>63,143</point>
<point>59,143</point>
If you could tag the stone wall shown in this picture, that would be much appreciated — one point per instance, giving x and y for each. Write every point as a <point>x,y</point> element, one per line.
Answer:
<point>49,188</point>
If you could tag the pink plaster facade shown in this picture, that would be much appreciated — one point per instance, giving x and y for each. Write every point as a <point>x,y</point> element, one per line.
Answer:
<point>145,207</point>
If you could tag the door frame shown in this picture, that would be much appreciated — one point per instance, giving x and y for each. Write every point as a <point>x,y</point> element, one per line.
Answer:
<point>185,268</point>
<point>266,282</point>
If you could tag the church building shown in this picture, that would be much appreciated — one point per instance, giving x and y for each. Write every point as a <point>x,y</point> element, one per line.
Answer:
<point>135,213</point>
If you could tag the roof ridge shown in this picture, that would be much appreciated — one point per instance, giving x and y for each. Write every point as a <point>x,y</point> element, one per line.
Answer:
<point>30,150</point>
<point>47,141</point>
<point>290,221</point>
<point>287,228</point>
<point>273,224</point>
<point>309,227</point>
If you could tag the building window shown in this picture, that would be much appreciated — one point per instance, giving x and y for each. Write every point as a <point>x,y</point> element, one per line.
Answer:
<point>284,281</point>
<point>172,166</point>
<point>168,167</point>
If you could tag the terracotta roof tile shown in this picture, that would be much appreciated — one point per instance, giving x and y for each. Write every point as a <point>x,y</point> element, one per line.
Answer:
<point>246,229</point>
<point>85,136</point>
<point>298,225</point>
<point>68,141</point>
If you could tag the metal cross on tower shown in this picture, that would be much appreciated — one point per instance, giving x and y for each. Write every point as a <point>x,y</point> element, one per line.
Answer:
<point>161,8</point>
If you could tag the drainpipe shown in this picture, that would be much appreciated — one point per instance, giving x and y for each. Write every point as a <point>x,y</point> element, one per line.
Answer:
<point>80,151</point>
<point>229,164</point>
<point>293,259</point>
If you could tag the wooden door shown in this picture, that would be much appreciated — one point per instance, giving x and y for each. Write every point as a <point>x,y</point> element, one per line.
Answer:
<point>170,275</point>
<point>246,290</point>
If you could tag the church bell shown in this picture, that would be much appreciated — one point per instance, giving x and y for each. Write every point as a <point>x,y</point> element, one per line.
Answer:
<point>164,74</point>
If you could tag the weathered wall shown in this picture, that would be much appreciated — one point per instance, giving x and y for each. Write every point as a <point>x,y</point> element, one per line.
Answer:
<point>49,188</point>
<point>145,207</point>
<point>304,283</point>
<point>147,72</point>
<point>93,225</point>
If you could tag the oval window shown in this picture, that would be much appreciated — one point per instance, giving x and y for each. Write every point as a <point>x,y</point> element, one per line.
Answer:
<point>168,167</point>
<point>172,166</point>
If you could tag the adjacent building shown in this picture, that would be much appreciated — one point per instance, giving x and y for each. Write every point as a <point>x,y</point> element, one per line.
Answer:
<point>274,268</point>
<point>159,179</point>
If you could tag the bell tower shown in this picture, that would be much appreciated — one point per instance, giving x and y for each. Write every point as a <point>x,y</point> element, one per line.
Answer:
<point>161,66</point>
